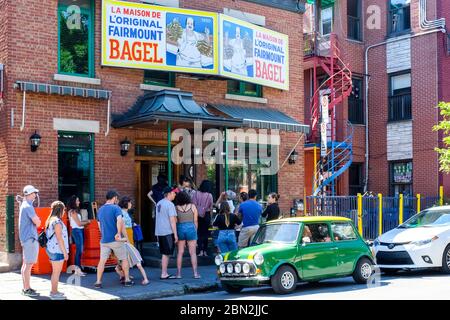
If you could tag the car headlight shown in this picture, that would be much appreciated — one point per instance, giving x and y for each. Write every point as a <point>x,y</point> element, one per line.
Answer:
<point>229,268</point>
<point>258,258</point>
<point>246,268</point>
<point>222,268</point>
<point>424,242</point>
<point>218,259</point>
<point>376,242</point>
<point>238,268</point>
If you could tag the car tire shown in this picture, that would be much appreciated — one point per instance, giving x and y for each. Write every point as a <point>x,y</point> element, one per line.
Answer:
<point>284,281</point>
<point>446,260</point>
<point>389,272</point>
<point>231,289</point>
<point>362,272</point>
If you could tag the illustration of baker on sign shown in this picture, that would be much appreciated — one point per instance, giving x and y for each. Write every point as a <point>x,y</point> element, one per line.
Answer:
<point>189,48</point>
<point>238,51</point>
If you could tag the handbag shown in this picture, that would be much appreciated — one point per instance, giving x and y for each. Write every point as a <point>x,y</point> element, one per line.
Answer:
<point>43,240</point>
<point>137,233</point>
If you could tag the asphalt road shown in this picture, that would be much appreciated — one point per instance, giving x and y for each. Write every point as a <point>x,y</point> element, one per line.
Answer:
<point>414,285</point>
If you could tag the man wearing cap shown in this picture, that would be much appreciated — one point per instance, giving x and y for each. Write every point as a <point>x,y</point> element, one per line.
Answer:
<point>166,228</point>
<point>113,237</point>
<point>28,236</point>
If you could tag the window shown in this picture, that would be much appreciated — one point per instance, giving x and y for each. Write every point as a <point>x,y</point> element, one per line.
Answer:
<point>399,16</point>
<point>354,19</point>
<point>401,178</point>
<point>326,21</point>
<point>355,103</point>
<point>355,178</point>
<point>400,97</point>
<point>285,233</point>
<point>76,37</point>
<point>159,78</point>
<point>316,232</point>
<point>244,88</point>
<point>343,231</point>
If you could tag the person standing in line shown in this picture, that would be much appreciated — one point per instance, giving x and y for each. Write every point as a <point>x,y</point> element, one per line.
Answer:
<point>203,200</point>
<point>243,196</point>
<point>186,186</point>
<point>125,205</point>
<point>111,226</point>
<point>226,222</point>
<point>166,229</point>
<point>227,196</point>
<point>250,211</point>
<point>57,246</point>
<point>156,194</point>
<point>272,212</point>
<point>187,225</point>
<point>28,236</point>
<point>73,205</point>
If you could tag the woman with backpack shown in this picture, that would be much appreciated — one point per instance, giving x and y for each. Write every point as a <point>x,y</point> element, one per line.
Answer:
<point>57,246</point>
<point>203,201</point>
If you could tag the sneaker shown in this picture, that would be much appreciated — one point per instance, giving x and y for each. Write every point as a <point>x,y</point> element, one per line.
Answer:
<point>30,293</point>
<point>128,283</point>
<point>57,296</point>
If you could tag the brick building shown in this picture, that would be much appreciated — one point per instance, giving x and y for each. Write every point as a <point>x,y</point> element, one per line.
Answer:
<point>57,87</point>
<point>397,52</point>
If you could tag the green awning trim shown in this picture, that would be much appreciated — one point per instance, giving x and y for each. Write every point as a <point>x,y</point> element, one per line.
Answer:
<point>62,90</point>
<point>323,3</point>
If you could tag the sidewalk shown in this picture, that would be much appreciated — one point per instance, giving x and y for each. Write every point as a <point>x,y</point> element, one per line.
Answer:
<point>11,285</point>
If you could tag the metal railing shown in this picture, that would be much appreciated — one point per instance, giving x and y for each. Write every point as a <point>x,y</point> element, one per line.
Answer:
<point>315,44</point>
<point>400,107</point>
<point>354,28</point>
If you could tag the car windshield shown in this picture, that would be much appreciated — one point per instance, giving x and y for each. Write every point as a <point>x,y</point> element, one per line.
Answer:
<point>286,232</point>
<point>428,218</point>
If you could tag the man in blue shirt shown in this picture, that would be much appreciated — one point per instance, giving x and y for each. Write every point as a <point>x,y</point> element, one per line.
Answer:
<point>250,211</point>
<point>28,236</point>
<point>111,226</point>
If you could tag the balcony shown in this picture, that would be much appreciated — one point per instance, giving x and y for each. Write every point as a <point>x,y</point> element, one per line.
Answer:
<point>400,107</point>
<point>354,28</point>
<point>355,111</point>
<point>316,45</point>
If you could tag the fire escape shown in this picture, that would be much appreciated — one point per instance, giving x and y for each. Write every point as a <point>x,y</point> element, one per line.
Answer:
<point>325,57</point>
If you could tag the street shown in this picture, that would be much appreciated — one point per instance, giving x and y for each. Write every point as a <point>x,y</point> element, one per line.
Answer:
<point>417,285</point>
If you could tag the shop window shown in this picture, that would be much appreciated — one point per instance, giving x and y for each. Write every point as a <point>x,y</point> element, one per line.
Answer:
<point>355,103</point>
<point>354,19</point>
<point>356,179</point>
<point>159,78</point>
<point>326,21</point>
<point>76,166</point>
<point>401,178</point>
<point>399,16</point>
<point>76,37</point>
<point>400,97</point>
<point>244,88</point>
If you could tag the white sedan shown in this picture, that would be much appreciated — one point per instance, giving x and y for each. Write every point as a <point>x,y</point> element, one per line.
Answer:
<point>423,241</point>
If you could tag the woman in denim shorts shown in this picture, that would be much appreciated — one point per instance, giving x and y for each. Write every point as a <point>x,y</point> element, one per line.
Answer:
<point>57,246</point>
<point>187,226</point>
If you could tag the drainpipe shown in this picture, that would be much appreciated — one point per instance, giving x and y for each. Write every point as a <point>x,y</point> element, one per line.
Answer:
<point>22,126</point>
<point>108,120</point>
<point>366,102</point>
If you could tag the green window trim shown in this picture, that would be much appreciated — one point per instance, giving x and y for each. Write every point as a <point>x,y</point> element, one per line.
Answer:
<point>91,41</point>
<point>91,157</point>
<point>170,83</point>
<point>242,89</point>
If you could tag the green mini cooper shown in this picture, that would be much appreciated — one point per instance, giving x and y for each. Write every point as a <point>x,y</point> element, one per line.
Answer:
<point>284,252</point>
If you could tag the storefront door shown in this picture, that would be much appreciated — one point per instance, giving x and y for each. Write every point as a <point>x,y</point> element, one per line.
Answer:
<point>75,166</point>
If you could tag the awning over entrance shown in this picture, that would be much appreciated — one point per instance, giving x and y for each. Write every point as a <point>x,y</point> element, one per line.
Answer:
<point>173,106</point>
<point>263,118</point>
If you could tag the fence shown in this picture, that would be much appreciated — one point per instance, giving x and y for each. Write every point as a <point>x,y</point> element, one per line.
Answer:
<point>373,215</point>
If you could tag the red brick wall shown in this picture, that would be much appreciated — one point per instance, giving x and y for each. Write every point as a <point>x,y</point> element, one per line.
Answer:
<point>35,59</point>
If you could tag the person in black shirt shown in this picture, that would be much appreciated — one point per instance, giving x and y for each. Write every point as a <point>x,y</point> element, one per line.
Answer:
<point>226,222</point>
<point>272,211</point>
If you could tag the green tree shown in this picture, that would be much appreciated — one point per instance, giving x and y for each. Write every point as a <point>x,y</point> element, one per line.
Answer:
<point>444,126</point>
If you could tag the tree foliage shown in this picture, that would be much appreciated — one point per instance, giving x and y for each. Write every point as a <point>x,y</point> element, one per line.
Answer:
<point>444,126</point>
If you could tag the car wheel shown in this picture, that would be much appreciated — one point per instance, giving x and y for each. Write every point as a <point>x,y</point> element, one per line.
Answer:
<point>231,289</point>
<point>446,260</point>
<point>284,281</point>
<point>389,271</point>
<point>364,269</point>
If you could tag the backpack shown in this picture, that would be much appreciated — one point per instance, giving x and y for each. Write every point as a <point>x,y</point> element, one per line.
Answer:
<point>137,233</point>
<point>42,238</point>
